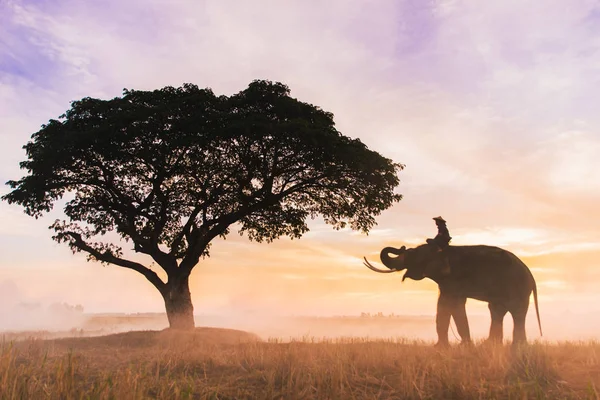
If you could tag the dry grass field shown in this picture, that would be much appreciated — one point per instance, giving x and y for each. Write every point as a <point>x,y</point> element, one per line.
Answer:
<point>212,363</point>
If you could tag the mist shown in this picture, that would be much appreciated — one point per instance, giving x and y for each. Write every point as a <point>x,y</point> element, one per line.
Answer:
<point>562,319</point>
<point>567,326</point>
<point>21,313</point>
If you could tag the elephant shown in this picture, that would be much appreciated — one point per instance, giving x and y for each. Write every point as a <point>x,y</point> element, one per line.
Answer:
<point>485,273</point>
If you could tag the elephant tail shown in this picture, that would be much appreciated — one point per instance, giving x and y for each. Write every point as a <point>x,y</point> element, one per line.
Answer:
<point>537,311</point>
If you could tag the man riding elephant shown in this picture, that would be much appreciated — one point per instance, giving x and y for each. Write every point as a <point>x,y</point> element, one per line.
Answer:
<point>442,241</point>
<point>485,273</point>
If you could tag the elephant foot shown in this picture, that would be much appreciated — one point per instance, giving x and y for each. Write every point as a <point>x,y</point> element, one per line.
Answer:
<point>442,345</point>
<point>466,343</point>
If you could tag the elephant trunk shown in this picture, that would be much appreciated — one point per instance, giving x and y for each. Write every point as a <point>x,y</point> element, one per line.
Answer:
<point>396,263</point>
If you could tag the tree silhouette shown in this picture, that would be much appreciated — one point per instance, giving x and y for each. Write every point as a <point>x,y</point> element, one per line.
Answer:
<point>169,170</point>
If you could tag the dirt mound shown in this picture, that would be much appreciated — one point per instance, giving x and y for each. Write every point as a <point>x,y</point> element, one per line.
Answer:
<point>210,335</point>
<point>165,338</point>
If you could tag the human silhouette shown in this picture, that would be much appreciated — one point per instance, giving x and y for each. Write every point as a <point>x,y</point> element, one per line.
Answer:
<point>442,241</point>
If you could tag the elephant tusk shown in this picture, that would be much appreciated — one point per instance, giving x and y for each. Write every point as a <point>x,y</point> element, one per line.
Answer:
<point>381,271</point>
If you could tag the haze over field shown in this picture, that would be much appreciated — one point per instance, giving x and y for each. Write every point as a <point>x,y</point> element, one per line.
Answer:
<point>492,107</point>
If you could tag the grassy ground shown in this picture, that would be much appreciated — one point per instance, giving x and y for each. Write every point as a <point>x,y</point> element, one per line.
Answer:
<point>226,364</point>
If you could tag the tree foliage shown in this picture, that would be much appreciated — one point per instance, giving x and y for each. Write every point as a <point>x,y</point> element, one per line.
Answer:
<point>171,169</point>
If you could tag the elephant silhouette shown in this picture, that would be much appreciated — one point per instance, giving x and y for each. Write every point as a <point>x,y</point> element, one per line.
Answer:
<point>485,273</point>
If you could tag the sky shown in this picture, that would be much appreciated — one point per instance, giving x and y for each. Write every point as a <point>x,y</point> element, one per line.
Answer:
<point>492,107</point>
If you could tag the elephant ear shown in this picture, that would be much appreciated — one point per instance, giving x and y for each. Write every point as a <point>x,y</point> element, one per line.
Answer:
<point>437,265</point>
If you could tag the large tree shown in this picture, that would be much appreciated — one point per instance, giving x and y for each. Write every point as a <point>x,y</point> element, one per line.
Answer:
<point>169,170</point>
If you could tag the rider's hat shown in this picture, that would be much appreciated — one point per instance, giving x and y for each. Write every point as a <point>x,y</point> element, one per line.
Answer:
<point>439,219</point>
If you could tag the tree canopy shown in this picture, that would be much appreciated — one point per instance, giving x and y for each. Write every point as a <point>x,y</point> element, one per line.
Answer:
<point>171,169</point>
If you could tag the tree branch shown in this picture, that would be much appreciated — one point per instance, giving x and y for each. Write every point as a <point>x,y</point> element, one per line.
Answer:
<point>185,231</point>
<point>124,205</point>
<point>108,257</point>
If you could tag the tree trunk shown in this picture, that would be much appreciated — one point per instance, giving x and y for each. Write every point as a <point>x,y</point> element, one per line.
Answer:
<point>178,303</point>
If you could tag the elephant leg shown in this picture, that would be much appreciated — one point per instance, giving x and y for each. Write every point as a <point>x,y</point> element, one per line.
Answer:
<point>442,319</point>
<point>519,315</point>
<point>496,329</point>
<point>459,313</point>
